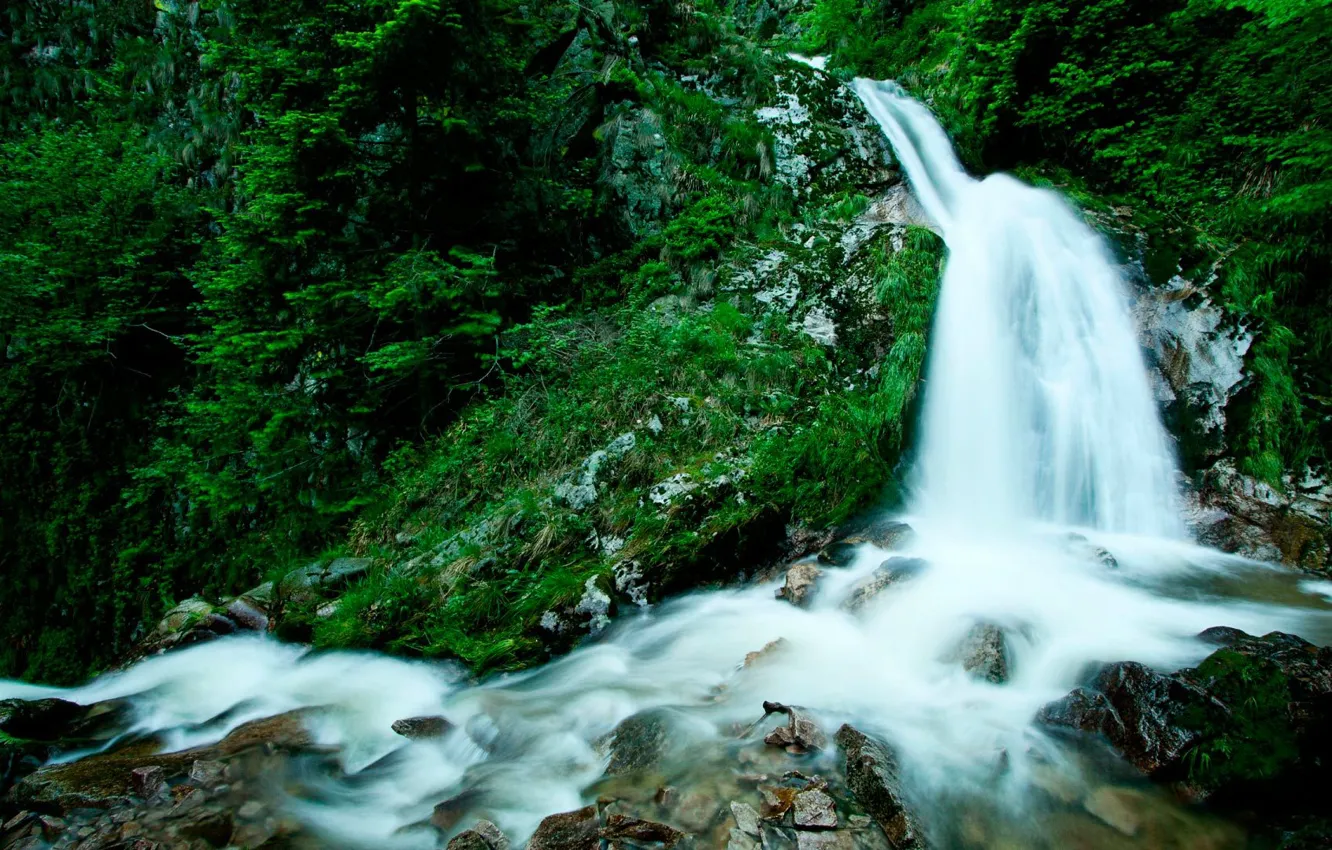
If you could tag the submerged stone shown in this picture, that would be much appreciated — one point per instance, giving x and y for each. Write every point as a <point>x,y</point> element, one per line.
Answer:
<point>576,830</point>
<point>890,572</point>
<point>637,743</point>
<point>800,734</point>
<point>422,727</point>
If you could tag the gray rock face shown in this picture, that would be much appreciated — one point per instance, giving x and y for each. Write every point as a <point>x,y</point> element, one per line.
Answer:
<point>1237,513</point>
<point>874,777</point>
<point>984,653</point>
<point>578,489</point>
<point>1199,353</point>
<point>813,809</point>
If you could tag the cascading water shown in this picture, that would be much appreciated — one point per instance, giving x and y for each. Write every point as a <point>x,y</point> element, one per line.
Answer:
<point>1037,403</point>
<point>1037,418</point>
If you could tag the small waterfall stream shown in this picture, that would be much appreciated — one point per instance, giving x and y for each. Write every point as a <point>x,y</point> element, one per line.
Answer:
<point>1038,424</point>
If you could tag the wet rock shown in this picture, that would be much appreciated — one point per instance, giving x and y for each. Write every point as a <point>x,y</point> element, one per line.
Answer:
<point>882,532</point>
<point>1116,807</point>
<point>303,585</point>
<point>984,653</point>
<point>247,615</point>
<point>1080,547</point>
<point>148,781</point>
<point>577,830</point>
<point>839,554</point>
<point>890,572</point>
<point>800,734</point>
<point>1141,712</point>
<point>214,827</point>
<point>746,818</point>
<point>769,649</point>
<point>484,835</point>
<point>418,728</point>
<point>739,840</point>
<point>874,777</point>
<point>622,830</point>
<point>837,840</point>
<point>448,814</point>
<point>814,809</point>
<point>38,720</point>
<point>206,773</point>
<point>801,579</point>
<point>637,743</point>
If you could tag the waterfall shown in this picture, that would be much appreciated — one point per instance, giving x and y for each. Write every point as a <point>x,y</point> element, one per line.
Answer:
<point>1037,402</point>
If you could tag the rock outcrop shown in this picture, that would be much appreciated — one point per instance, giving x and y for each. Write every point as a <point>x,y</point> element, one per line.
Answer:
<point>874,777</point>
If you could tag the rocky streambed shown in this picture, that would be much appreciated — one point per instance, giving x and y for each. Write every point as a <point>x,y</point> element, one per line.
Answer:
<point>1230,752</point>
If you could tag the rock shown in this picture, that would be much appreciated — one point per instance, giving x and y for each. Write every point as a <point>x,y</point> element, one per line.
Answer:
<point>769,649</point>
<point>637,743</point>
<point>874,777</point>
<point>825,841</point>
<point>577,830</point>
<point>1140,711</point>
<point>984,653</point>
<point>839,554</point>
<point>484,835</point>
<point>148,781</point>
<point>422,727</point>
<point>1116,807</point>
<point>800,582</point>
<point>214,827</point>
<point>890,572</point>
<point>207,773</point>
<point>301,586</point>
<point>1080,547</point>
<point>622,828</point>
<point>746,818</point>
<point>799,735</point>
<point>882,532</point>
<point>738,840</point>
<point>38,720</point>
<point>448,814</point>
<point>1238,513</point>
<point>815,810</point>
<point>246,615</point>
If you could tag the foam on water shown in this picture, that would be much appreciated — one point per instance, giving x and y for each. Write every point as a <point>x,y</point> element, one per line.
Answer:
<point>1037,418</point>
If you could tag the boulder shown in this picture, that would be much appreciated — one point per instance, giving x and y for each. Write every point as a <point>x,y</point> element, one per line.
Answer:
<point>147,781</point>
<point>874,777</point>
<point>308,583</point>
<point>637,743</point>
<point>800,734</point>
<point>418,728</point>
<point>890,572</point>
<point>800,584</point>
<point>1083,549</point>
<point>577,830</point>
<point>1141,713</point>
<point>1252,718</point>
<point>983,653</point>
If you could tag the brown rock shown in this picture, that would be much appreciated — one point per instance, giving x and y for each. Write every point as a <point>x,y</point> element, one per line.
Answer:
<point>890,572</point>
<point>484,835</point>
<point>247,615</point>
<point>768,650</point>
<point>577,830</point>
<point>800,582</point>
<point>418,728</point>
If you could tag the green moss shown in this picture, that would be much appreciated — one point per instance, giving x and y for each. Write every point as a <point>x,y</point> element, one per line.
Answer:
<point>1254,741</point>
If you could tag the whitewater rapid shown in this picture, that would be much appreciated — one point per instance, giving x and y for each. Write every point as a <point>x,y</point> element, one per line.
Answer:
<point>1038,422</point>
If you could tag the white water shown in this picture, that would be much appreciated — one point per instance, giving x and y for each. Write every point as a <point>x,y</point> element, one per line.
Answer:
<point>1037,417</point>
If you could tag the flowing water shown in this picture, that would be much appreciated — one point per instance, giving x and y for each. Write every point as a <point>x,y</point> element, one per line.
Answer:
<point>1038,422</point>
